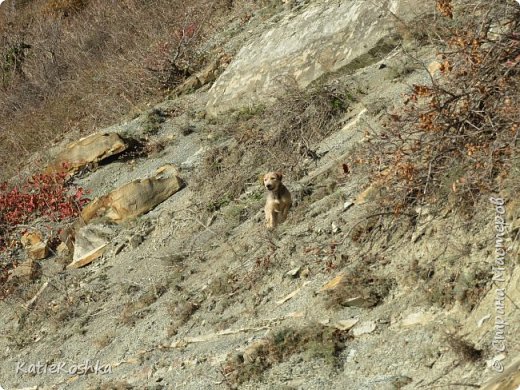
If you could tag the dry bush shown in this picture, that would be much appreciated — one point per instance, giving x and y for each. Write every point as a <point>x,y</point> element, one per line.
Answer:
<point>83,64</point>
<point>279,136</point>
<point>64,8</point>
<point>314,341</point>
<point>360,281</point>
<point>443,286</point>
<point>463,348</point>
<point>180,311</point>
<point>455,138</point>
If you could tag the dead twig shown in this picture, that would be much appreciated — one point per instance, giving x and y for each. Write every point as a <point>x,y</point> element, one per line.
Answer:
<point>36,296</point>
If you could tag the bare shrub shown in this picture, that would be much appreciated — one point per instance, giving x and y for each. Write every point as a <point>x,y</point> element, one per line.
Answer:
<point>359,282</point>
<point>314,341</point>
<point>463,348</point>
<point>277,136</point>
<point>458,134</point>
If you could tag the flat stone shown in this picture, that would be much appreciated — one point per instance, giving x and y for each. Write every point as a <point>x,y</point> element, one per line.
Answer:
<point>418,318</point>
<point>35,246</point>
<point>333,283</point>
<point>91,242</point>
<point>345,324</point>
<point>364,328</point>
<point>135,198</point>
<point>348,204</point>
<point>87,150</point>
<point>360,301</point>
<point>294,272</point>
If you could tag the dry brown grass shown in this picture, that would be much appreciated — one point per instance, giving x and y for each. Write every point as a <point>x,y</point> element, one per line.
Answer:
<point>82,64</point>
<point>279,136</point>
<point>312,341</point>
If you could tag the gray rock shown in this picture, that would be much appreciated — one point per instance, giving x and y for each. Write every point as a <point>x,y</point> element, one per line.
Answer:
<point>323,38</point>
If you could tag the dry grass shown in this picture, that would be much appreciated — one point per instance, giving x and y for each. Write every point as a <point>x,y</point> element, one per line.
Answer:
<point>139,308</point>
<point>82,64</point>
<point>450,276</point>
<point>313,341</point>
<point>360,281</point>
<point>463,348</point>
<point>181,311</point>
<point>443,287</point>
<point>279,136</point>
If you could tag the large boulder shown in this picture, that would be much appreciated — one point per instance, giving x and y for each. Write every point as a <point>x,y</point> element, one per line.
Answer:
<point>87,150</point>
<point>323,38</point>
<point>135,198</point>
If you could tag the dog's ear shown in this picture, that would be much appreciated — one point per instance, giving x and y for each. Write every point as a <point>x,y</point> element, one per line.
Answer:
<point>279,175</point>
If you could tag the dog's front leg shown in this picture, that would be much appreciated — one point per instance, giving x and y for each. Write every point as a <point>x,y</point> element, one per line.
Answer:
<point>269,218</point>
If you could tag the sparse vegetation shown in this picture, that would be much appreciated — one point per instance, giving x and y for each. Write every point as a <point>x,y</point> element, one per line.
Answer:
<point>58,307</point>
<point>137,309</point>
<point>49,198</point>
<point>463,348</point>
<point>282,135</point>
<point>314,341</point>
<point>443,286</point>
<point>195,283</point>
<point>222,283</point>
<point>181,311</point>
<point>81,64</point>
<point>104,340</point>
<point>359,281</point>
<point>457,135</point>
<point>154,120</point>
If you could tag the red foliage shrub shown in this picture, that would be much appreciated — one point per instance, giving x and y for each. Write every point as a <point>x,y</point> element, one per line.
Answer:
<point>48,196</point>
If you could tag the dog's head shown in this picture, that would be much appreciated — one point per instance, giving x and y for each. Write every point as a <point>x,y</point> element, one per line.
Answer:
<point>272,180</point>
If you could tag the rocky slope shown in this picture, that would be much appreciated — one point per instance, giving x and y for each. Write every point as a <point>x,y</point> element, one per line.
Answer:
<point>189,296</point>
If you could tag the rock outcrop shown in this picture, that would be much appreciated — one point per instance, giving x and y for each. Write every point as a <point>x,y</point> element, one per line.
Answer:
<point>87,150</point>
<point>326,37</point>
<point>135,198</point>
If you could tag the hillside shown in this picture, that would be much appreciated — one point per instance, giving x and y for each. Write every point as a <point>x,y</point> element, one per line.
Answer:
<point>132,233</point>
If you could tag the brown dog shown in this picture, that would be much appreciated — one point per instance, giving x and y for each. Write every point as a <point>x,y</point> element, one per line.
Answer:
<point>279,200</point>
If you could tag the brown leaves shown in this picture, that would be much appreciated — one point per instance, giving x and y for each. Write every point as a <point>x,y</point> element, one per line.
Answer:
<point>453,138</point>
<point>422,90</point>
<point>445,8</point>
